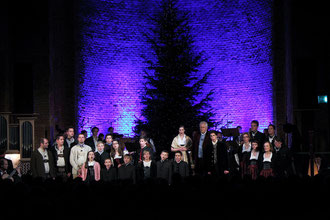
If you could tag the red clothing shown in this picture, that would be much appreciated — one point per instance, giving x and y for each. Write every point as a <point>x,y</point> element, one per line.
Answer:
<point>97,171</point>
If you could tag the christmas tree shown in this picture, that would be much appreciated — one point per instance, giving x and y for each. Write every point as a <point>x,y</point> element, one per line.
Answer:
<point>173,95</point>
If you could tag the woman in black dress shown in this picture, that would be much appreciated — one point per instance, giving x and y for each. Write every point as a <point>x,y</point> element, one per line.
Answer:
<point>253,165</point>
<point>267,160</point>
<point>243,154</point>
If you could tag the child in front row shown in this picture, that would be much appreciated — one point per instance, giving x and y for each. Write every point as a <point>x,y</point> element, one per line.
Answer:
<point>90,170</point>
<point>109,173</point>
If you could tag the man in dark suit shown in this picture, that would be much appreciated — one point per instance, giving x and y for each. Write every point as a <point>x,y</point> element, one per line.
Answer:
<point>69,139</point>
<point>215,154</point>
<point>92,140</point>
<point>42,161</point>
<point>282,158</point>
<point>179,166</point>
<point>255,134</point>
<point>164,167</point>
<point>127,170</point>
<point>271,135</point>
<point>200,142</point>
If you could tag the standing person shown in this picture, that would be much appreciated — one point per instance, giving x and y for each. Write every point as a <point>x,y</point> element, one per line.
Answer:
<point>179,166</point>
<point>91,169</point>
<point>283,158</point>
<point>253,164</point>
<point>69,139</point>
<point>127,170</point>
<point>267,161</point>
<point>92,140</point>
<point>116,154</point>
<point>243,154</point>
<point>200,141</point>
<point>255,134</point>
<point>143,147</point>
<point>78,155</point>
<point>108,143</point>
<point>146,168</point>
<point>84,132</point>
<point>215,154</point>
<point>61,155</point>
<point>100,154</point>
<point>109,172</point>
<point>150,142</point>
<point>231,164</point>
<point>182,143</point>
<point>100,137</point>
<point>164,167</point>
<point>42,161</point>
<point>271,135</point>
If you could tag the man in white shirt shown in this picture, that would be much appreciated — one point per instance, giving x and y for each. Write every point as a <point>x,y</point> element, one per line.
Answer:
<point>78,155</point>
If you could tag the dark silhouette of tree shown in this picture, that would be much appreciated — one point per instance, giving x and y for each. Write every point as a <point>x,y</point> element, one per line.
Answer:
<point>173,94</point>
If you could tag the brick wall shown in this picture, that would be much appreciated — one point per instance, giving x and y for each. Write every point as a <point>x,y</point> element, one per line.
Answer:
<point>236,37</point>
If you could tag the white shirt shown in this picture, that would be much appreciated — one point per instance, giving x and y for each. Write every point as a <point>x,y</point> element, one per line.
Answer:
<point>91,163</point>
<point>117,156</point>
<point>244,149</point>
<point>78,156</point>
<point>254,157</point>
<point>268,159</point>
<point>147,164</point>
<point>182,141</point>
<point>60,160</point>
<point>95,143</point>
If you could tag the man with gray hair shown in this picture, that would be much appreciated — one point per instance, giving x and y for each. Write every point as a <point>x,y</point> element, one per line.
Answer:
<point>201,140</point>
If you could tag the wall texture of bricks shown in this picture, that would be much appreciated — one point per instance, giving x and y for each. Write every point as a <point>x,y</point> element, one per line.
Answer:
<point>236,37</point>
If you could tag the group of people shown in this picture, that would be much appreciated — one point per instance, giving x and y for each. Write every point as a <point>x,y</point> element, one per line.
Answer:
<point>250,154</point>
<point>107,161</point>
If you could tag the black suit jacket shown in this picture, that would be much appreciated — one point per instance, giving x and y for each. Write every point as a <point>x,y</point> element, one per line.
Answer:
<point>109,175</point>
<point>221,157</point>
<point>101,158</point>
<point>140,170</point>
<point>181,168</point>
<point>127,172</point>
<point>282,160</point>
<point>71,145</point>
<point>260,137</point>
<point>164,170</point>
<point>230,160</point>
<point>38,167</point>
<point>66,152</point>
<point>90,142</point>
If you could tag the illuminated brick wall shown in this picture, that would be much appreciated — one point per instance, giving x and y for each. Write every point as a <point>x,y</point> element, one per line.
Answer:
<point>235,35</point>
